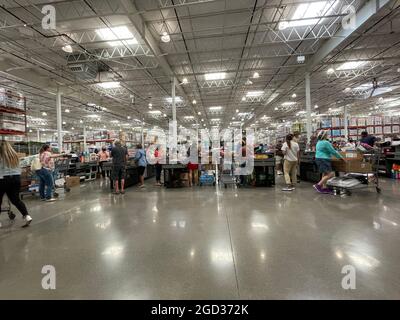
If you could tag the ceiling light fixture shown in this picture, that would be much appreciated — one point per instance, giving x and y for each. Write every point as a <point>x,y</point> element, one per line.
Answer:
<point>67,110</point>
<point>256,75</point>
<point>44,114</point>
<point>109,85</point>
<point>330,71</point>
<point>256,93</point>
<point>185,81</point>
<point>294,95</point>
<point>116,33</point>
<point>305,11</point>
<point>215,76</point>
<point>165,37</point>
<point>67,48</point>
<point>351,65</point>
<point>194,101</point>
<point>216,108</point>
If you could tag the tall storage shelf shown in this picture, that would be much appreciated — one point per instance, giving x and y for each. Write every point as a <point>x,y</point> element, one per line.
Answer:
<point>12,114</point>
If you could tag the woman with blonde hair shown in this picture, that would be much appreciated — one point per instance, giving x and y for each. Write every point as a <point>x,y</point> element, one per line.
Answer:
<point>10,179</point>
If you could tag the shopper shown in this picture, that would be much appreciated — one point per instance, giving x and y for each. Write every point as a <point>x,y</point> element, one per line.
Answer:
<point>103,157</point>
<point>290,150</point>
<point>367,140</point>
<point>278,157</point>
<point>158,167</point>
<point>119,156</point>
<point>10,179</point>
<point>324,153</point>
<point>45,174</point>
<point>193,171</point>
<point>140,157</point>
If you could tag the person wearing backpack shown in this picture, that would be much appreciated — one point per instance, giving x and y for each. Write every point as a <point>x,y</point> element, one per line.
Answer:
<point>140,158</point>
<point>10,180</point>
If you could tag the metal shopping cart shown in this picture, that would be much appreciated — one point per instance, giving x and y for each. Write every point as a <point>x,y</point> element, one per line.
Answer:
<point>360,171</point>
<point>61,167</point>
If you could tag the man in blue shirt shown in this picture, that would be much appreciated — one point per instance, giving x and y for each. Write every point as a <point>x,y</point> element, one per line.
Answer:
<point>367,139</point>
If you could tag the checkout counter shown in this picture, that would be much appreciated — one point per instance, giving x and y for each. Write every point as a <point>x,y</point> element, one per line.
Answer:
<point>132,173</point>
<point>308,168</point>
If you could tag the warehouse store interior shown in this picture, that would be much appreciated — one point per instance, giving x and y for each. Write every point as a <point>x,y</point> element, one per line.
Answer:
<point>200,149</point>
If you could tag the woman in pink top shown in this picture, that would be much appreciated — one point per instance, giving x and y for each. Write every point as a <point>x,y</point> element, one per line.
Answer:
<point>103,156</point>
<point>46,185</point>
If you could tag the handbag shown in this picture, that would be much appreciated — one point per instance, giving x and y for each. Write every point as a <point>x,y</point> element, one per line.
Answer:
<point>36,164</point>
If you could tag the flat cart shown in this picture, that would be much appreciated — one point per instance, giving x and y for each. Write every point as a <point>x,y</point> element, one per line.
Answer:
<point>172,175</point>
<point>359,173</point>
<point>227,176</point>
<point>264,172</point>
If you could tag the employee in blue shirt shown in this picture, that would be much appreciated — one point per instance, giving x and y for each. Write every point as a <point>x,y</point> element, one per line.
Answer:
<point>323,158</point>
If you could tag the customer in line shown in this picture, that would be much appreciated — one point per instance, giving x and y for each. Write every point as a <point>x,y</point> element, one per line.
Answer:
<point>45,174</point>
<point>140,158</point>
<point>119,156</point>
<point>103,156</point>
<point>158,167</point>
<point>10,179</point>
<point>290,151</point>
<point>323,156</point>
<point>193,169</point>
<point>367,140</point>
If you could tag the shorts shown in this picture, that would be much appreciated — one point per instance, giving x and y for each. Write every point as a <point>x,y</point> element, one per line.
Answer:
<point>118,173</point>
<point>141,170</point>
<point>324,165</point>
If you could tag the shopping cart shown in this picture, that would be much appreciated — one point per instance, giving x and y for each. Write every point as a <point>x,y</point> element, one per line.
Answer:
<point>227,176</point>
<point>360,173</point>
<point>29,182</point>
<point>61,167</point>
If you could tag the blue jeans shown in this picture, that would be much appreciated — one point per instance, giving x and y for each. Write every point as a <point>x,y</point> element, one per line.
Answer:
<point>46,185</point>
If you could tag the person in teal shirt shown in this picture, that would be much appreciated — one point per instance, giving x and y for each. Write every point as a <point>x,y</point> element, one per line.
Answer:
<point>323,159</point>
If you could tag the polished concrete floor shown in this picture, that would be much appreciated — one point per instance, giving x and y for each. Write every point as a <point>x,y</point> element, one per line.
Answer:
<point>205,243</point>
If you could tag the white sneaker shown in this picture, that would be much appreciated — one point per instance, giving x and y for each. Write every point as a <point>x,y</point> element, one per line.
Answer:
<point>28,220</point>
<point>51,200</point>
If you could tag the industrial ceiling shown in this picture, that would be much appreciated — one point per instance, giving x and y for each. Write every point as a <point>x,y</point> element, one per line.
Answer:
<point>234,61</point>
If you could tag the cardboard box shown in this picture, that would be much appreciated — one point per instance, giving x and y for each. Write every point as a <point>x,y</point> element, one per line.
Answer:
<point>354,163</point>
<point>72,181</point>
<point>184,176</point>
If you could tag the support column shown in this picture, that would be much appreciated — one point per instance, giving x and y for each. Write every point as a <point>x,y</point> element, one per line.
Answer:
<point>84,139</point>
<point>38,135</point>
<point>142,134</point>
<point>173,99</point>
<point>308,106</point>
<point>346,123</point>
<point>59,121</point>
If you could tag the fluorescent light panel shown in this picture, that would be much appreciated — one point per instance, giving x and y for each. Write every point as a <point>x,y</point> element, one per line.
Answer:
<point>116,33</point>
<point>109,85</point>
<point>215,76</point>
<point>257,93</point>
<point>215,108</point>
<point>177,99</point>
<point>351,65</point>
